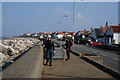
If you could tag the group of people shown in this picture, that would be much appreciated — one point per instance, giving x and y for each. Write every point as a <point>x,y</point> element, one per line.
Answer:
<point>49,50</point>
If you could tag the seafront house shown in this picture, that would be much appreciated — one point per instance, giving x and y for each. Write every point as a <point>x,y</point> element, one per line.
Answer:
<point>53,35</point>
<point>78,36</point>
<point>69,34</point>
<point>102,36</point>
<point>59,35</point>
<point>86,34</point>
<point>95,34</point>
<point>115,31</point>
<point>27,34</point>
<point>34,35</point>
<point>109,35</point>
<point>90,34</point>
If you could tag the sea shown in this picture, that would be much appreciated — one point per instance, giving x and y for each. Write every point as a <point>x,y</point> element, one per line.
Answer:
<point>2,37</point>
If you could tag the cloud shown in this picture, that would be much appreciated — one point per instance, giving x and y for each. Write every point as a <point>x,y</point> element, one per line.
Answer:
<point>79,16</point>
<point>59,9</point>
<point>81,22</point>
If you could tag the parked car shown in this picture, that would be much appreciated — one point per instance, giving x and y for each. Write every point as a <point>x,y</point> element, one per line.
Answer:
<point>95,43</point>
<point>89,40</point>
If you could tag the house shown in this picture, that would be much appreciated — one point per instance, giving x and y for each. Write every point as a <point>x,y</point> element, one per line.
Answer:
<point>34,35</point>
<point>26,34</point>
<point>115,32</point>
<point>59,35</point>
<point>69,34</point>
<point>90,34</point>
<point>109,34</point>
<point>77,36</point>
<point>82,35</point>
<point>102,36</point>
<point>53,35</point>
<point>86,34</point>
<point>95,34</point>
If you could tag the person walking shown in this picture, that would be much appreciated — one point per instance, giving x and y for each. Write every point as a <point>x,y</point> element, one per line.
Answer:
<point>44,49</point>
<point>68,45</point>
<point>50,51</point>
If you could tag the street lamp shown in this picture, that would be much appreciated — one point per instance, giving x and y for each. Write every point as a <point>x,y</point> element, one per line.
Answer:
<point>74,20</point>
<point>61,21</point>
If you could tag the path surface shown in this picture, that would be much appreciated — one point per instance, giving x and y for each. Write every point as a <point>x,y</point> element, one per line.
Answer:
<point>110,58</point>
<point>75,68</point>
<point>27,66</point>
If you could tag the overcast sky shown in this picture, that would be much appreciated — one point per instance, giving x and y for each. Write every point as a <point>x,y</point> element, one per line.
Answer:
<point>23,17</point>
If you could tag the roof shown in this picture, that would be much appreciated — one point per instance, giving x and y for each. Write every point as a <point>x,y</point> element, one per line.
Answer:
<point>82,31</point>
<point>104,29</point>
<point>33,33</point>
<point>40,33</point>
<point>46,33</point>
<point>60,33</point>
<point>97,31</point>
<point>71,33</point>
<point>108,27</point>
<point>115,29</point>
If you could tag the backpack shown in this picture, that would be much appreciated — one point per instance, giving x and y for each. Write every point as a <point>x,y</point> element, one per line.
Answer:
<point>71,43</point>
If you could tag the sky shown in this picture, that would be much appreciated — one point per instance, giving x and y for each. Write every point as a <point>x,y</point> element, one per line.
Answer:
<point>34,17</point>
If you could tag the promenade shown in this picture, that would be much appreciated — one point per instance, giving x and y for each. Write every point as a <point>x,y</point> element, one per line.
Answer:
<point>30,65</point>
<point>75,68</point>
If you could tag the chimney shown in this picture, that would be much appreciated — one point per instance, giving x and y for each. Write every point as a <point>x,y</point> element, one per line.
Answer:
<point>91,28</point>
<point>106,24</point>
<point>84,30</point>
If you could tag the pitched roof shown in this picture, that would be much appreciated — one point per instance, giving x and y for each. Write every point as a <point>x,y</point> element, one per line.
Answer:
<point>60,33</point>
<point>104,29</point>
<point>97,31</point>
<point>33,33</point>
<point>82,31</point>
<point>115,29</point>
<point>71,33</point>
<point>46,33</point>
<point>40,33</point>
<point>108,27</point>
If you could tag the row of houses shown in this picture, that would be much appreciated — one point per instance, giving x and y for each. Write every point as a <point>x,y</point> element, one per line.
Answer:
<point>105,35</point>
<point>58,35</point>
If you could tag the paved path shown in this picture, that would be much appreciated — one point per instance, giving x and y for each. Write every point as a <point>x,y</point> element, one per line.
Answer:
<point>110,58</point>
<point>27,66</point>
<point>75,68</point>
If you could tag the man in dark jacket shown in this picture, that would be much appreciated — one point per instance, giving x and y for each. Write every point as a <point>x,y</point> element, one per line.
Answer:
<point>68,44</point>
<point>44,49</point>
<point>50,51</point>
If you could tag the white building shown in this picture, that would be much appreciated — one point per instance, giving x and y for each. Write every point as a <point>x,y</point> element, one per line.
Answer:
<point>116,34</point>
<point>59,35</point>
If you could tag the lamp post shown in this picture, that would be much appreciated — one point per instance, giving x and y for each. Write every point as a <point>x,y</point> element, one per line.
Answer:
<point>74,21</point>
<point>61,22</point>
